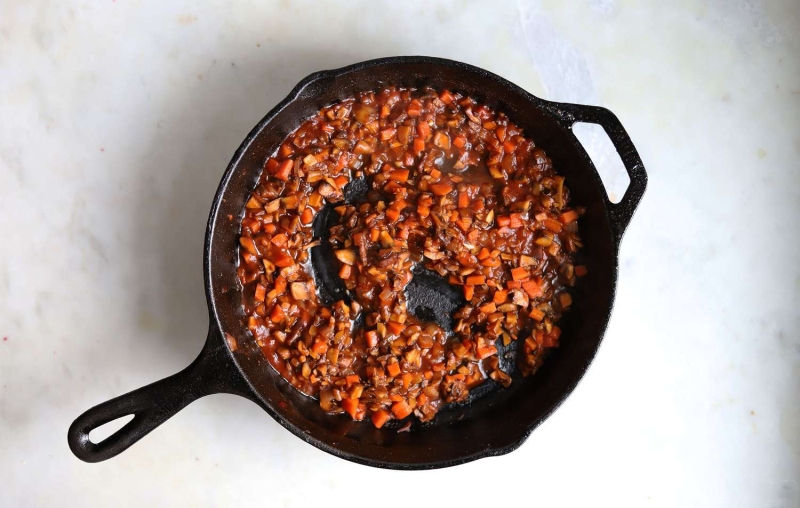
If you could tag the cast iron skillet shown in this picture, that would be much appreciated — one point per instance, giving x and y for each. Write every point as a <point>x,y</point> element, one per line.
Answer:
<point>494,422</point>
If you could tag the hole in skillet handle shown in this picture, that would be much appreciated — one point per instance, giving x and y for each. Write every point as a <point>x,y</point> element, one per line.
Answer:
<point>621,212</point>
<point>430,297</point>
<point>152,405</point>
<point>604,155</point>
<point>99,434</point>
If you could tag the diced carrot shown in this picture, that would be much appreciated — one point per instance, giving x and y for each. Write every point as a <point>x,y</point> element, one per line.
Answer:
<point>280,284</point>
<point>342,161</point>
<point>469,292</point>
<point>488,308</point>
<point>501,133</point>
<point>270,228</point>
<point>500,296</point>
<point>484,352</point>
<point>395,397</point>
<point>315,199</point>
<point>400,204</point>
<point>440,189</point>
<point>254,225</point>
<point>532,288</point>
<point>286,150</point>
<point>393,369</point>
<point>407,380</point>
<point>261,292</point>
<point>307,217</point>
<point>472,236</point>
<point>351,379</point>
<point>520,273</point>
<point>252,203</point>
<point>565,299</point>
<point>395,328</point>
<point>463,224</point>
<point>371,338</point>
<point>392,214</point>
<point>319,347</point>
<point>569,216</point>
<point>503,220</point>
<point>463,200</point>
<point>536,314</point>
<point>552,225</point>
<point>435,174</point>
<point>442,140</point>
<point>277,314</point>
<point>490,262</point>
<point>350,406</point>
<point>401,409</point>
<point>484,253</point>
<point>345,271</point>
<point>476,280</point>
<point>423,129</point>
<point>516,221</point>
<point>422,399</point>
<point>399,175</point>
<point>513,284</point>
<point>446,97</point>
<point>423,211</point>
<point>555,332</point>
<point>387,134</point>
<point>581,270</point>
<point>419,145</point>
<point>379,418</point>
<point>460,142</point>
<point>509,146</point>
<point>341,181</point>
<point>281,259</point>
<point>284,169</point>
<point>249,245</point>
<point>414,108</point>
<point>549,341</point>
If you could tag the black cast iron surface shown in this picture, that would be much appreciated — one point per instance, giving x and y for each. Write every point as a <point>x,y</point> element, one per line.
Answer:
<point>494,421</point>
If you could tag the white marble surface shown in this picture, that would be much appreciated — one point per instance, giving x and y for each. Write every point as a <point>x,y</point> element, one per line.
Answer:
<point>117,118</point>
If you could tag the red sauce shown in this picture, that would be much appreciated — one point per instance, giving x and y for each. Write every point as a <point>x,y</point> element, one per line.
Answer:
<point>454,186</point>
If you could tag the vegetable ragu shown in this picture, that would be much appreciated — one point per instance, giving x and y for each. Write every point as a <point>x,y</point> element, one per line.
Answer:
<point>454,187</point>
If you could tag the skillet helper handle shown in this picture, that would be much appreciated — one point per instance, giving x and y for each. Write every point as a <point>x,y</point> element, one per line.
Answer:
<point>622,212</point>
<point>154,404</point>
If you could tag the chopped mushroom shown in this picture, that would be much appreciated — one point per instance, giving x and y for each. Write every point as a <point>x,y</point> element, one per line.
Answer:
<point>300,290</point>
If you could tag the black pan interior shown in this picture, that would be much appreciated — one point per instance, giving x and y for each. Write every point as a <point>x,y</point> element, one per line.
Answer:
<point>497,420</point>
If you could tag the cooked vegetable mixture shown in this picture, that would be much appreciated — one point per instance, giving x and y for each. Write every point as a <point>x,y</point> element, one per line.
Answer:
<point>454,187</point>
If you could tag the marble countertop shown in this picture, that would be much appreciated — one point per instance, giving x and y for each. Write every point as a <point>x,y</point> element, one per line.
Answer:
<point>118,118</point>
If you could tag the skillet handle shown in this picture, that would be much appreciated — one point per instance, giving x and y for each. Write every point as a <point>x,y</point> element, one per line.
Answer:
<point>622,212</point>
<point>152,405</point>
